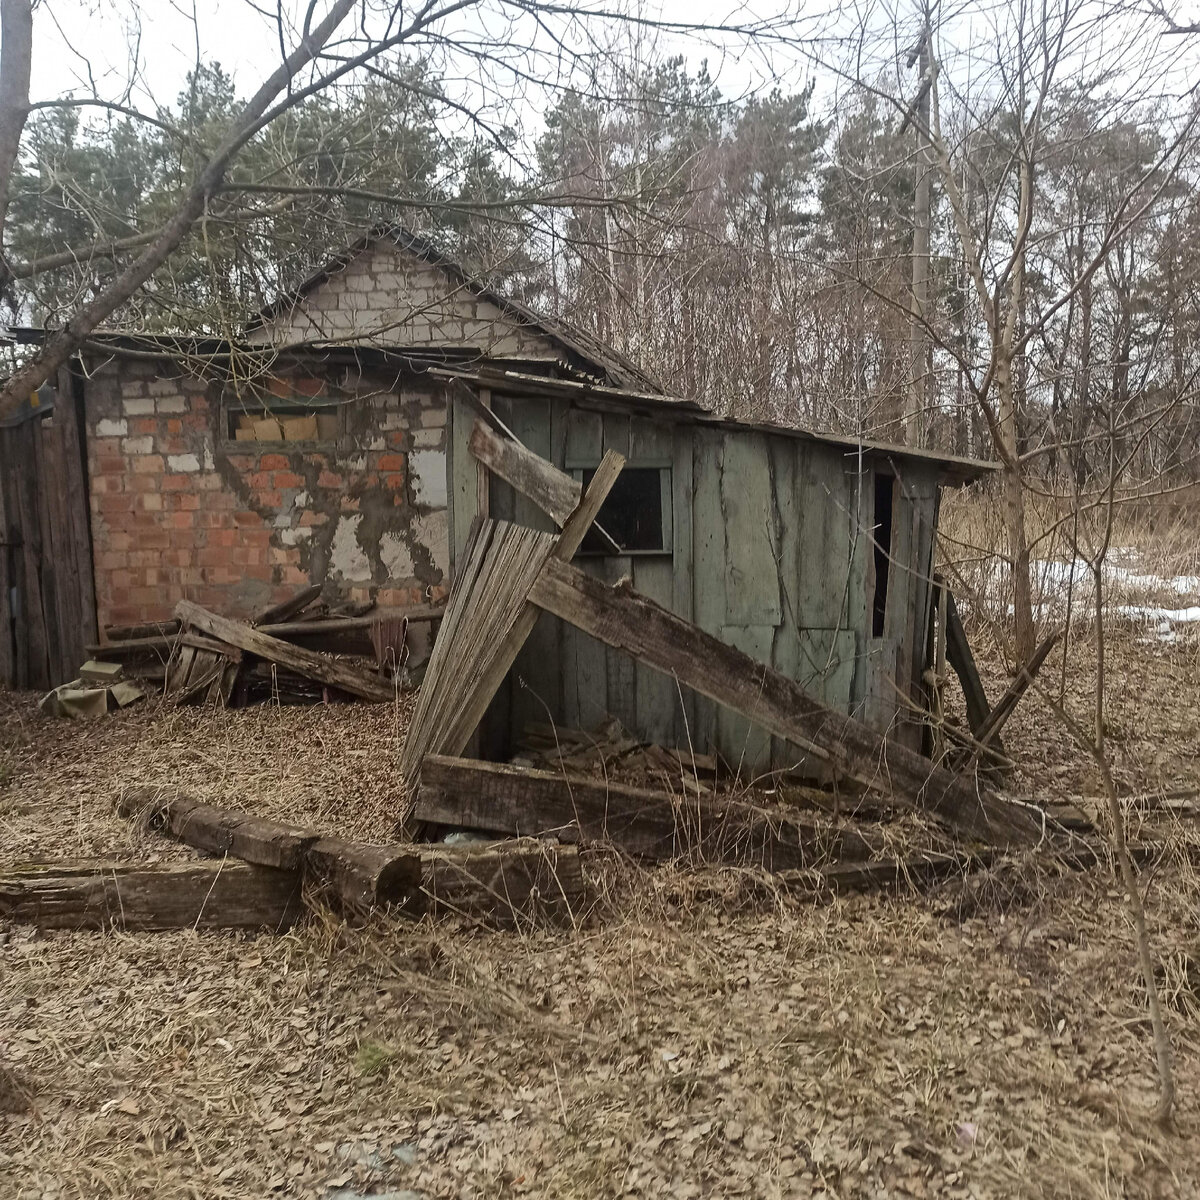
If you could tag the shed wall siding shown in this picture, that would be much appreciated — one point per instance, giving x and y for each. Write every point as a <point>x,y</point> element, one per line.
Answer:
<point>389,297</point>
<point>180,511</point>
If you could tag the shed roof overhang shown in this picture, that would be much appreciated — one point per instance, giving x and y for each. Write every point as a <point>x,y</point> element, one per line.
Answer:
<point>951,468</point>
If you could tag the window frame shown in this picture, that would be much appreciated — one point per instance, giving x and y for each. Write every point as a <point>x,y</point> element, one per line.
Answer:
<point>266,406</point>
<point>575,467</point>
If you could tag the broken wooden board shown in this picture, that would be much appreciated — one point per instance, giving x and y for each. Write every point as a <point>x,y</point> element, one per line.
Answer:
<point>498,798</point>
<point>133,896</point>
<point>303,662</point>
<point>502,883</point>
<point>287,610</point>
<point>487,621</point>
<point>553,491</point>
<point>621,618</point>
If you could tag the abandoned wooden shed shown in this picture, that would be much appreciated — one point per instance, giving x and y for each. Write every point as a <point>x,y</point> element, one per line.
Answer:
<point>810,552</point>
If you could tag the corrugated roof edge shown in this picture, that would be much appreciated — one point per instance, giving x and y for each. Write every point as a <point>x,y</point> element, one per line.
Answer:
<point>952,468</point>
<point>610,362</point>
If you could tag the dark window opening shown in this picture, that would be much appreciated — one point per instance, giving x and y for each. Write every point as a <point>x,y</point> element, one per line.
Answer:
<point>882,540</point>
<point>636,514</point>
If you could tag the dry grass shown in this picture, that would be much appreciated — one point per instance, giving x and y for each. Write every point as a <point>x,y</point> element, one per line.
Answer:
<point>700,1035</point>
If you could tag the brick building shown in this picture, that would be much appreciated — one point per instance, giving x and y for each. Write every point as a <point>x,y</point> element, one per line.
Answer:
<point>314,450</point>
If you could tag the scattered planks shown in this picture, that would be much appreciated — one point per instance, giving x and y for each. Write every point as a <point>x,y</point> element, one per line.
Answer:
<point>103,895</point>
<point>356,682</point>
<point>504,883</point>
<point>504,799</point>
<point>620,617</point>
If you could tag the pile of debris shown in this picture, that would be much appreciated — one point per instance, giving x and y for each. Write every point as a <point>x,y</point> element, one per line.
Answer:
<point>282,653</point>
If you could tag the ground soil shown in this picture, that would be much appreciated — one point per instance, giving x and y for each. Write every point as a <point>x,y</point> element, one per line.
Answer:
<point>697,1033</point>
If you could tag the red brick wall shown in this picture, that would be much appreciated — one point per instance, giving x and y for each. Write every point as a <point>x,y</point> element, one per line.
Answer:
<point>179,510</point>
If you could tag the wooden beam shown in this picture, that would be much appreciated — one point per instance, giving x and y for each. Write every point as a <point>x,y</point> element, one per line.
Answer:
<point>143,896</point>
<point>552,490</point>
<point>958,653</point>
<point>621,618</point>
<point>500,798</point>
<point>989,732</point>
<point>285,610</point>
<point>303,662</point>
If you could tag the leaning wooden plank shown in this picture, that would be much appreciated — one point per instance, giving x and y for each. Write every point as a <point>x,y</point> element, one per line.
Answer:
<point>134,646</point>
<point>958,654</point>
<point>500,798</point>
<point>1007,704</point>
<point>552,490</point>
<point>502,883</point>
<point>619,617</point>
<point>101,895</point>
<point>155,629</point>
<point>285,610</point>
<point>303,662</point>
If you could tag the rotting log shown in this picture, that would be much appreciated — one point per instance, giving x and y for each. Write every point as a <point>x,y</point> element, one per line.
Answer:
<point>502,883</point>
<point>496,881</point>
<point>364,876</point>
<point>203,826</point>
<point>622,618</point>
<point>500,798</point>
<point>134,896</point>
<point>303,662</point>
<point>553,491</point>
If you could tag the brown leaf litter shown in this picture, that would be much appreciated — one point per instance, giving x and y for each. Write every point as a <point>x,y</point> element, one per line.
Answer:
<point>702,1034</point>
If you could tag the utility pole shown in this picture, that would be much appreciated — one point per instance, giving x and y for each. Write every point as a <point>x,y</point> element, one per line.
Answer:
<point>919,393</point>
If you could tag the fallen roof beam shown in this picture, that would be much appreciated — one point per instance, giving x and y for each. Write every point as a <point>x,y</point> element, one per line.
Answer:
<point>621,618</point>
<point>303,662</point>
<point>501,798</point>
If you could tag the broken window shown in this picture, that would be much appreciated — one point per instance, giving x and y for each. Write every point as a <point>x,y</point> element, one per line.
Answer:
<point>636,513</point>
<point>294,408</point>
<point>881,535</point>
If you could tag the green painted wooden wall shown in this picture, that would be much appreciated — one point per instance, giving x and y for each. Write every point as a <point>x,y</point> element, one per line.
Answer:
<point>771,551</point>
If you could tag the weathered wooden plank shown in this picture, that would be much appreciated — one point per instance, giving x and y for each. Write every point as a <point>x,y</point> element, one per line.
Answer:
<point>550,489</point>
<point>741,740</point>
<point>752,576</point>
<point>656,701</point>
<point>68,416</point>
<point>505,799</point>
<point>132,896</point>
<point>708,559</point>
<point>32,632</point>
<point>621,618</point>
<point>304,662</point>
<point>287,609</point>
<point>1007,704</point>
<point>958,654</point>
